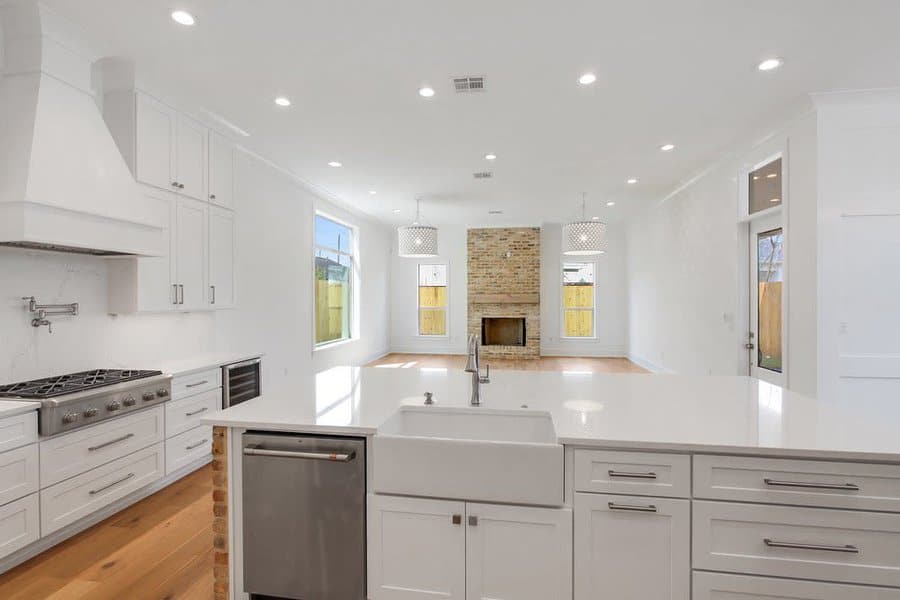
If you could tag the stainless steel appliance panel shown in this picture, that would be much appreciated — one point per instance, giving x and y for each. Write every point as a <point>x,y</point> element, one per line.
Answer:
<point>304,516</point>
<point>241,382</point>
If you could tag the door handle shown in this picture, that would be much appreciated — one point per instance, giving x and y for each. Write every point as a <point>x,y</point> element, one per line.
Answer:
<point>109,485</point>
<point>127,436</point>
<point>849,487</point>
<point>650,508</point>
<point>196,445</point>
<point>847,548</point>
<point>749,346</point>
<point>330,456</point>
<point>181,293</point>
<point>196,412</point>
<point>212,289</point>
<point>632,475</point>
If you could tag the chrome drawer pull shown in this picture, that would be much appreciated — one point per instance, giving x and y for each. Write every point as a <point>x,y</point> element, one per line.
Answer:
<point>650,508</point>
<point>196,412</point>
<point>197,445</point>
<point>337,457</point>
<point>190,385</point>
<point>109,485</point>
<point>632,475</point>
<point>849,487</point>
<point>847,549</point>
<point>111,442</point>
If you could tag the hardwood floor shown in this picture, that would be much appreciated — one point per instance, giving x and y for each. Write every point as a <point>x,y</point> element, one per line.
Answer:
<point>158,549</point>
<point>544,363</point>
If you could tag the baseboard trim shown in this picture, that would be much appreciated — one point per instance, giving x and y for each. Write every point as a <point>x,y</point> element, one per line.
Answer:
<point>652,367</point>
<point>45,543</point>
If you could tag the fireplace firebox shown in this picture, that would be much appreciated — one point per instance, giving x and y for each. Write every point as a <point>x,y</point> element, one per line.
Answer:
<point>503,331</point>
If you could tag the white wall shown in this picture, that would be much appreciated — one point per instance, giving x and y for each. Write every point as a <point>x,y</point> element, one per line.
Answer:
<point>612,305</point>
<point>859,245</point>
<point>275,278</point>
<point>452,242</point>
<point>688,267</point>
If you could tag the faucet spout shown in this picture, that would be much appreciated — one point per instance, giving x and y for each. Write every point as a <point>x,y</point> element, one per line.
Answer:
<point>473,366</point>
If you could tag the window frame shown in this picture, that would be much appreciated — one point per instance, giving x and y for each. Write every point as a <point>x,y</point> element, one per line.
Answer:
<point>562,298</point>
<point>353,279</point>
<point>446,307</point>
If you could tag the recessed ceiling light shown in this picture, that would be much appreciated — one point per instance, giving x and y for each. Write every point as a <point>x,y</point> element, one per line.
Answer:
<point>610,203</point>
<point>396,211</point>
<point>595,218</point>
<point>183,18</point>
<point>373,192</point>
<point>426,92</point>
<point>490,156</point>
<point>632,181</point>
<point>587,79</point>
<point>335,163</point>
<point>282,101</point>
<point>769,64</point>
<point>667,147</point>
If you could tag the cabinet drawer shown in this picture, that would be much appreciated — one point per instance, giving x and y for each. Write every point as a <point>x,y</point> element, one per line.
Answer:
<point>73,453</point>
<point>66,502</point>
<point>194,383</point>
<point>632,547</point>
<point>798,542</point>
<point>800,482</point>
<point>188,447</point>
<point>19,524</point>
<point>637,473</point>
<point>186,413</point>
<point>718,586</point>
<point>18,430</point>
<point>19,471</point>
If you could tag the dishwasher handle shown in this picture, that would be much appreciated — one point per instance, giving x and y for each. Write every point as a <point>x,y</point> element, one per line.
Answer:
<point>329,456</point>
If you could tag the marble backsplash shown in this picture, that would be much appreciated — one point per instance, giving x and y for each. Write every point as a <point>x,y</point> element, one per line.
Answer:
<point>93,339</point>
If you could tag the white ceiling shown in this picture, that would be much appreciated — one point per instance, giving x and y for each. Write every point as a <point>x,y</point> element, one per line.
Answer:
<point>668,70</point>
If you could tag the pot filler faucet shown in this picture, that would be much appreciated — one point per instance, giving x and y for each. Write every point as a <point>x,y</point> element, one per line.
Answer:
<point>473,366</point>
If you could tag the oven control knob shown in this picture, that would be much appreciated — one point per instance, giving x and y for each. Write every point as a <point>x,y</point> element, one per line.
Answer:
<point>114,405</point>
<point>148,396</point>
<point>91,412</point>
<point>70,418</point>
<point>162,392</point>
<point>129,401</point>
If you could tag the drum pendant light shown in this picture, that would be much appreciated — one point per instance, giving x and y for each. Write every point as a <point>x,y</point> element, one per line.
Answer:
<point>584,237</point>
<point>417,240</point>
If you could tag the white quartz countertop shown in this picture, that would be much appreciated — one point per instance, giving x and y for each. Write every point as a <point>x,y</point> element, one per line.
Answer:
<point>205,361</point>
<point>10,408</point>
<point>738,415</point>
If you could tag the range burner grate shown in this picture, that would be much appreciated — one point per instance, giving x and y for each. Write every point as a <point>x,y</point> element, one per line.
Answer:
<point>50,387</point>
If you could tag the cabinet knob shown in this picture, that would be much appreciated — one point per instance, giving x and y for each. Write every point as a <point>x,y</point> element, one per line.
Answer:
<point>175,184</point>
<point>180,186</point>
<point>212,196</point>
<point>473,521</point>
<point>456,519</point>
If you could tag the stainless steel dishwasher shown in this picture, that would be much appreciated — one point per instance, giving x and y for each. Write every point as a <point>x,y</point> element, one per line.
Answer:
<point>304,523</point>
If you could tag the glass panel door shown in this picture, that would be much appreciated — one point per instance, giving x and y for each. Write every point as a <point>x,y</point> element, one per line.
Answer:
<point>766,303</point>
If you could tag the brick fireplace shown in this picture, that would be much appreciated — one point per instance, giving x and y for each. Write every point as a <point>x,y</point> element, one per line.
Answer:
<point>504,291</point>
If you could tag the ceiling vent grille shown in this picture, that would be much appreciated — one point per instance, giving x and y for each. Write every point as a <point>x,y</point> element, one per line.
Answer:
<point>482,175</point>
<point>468,84</point>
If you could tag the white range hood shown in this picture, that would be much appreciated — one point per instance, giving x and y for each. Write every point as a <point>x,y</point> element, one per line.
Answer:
<point>63,182</point>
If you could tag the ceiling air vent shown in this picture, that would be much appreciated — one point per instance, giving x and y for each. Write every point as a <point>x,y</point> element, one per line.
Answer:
<point>468,84</point>
<point>482,175</point>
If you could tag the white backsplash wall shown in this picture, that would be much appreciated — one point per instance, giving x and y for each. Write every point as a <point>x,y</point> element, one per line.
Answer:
<point>93,339</point>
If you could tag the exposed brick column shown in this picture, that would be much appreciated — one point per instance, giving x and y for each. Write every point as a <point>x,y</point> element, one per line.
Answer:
<point>220,513</point>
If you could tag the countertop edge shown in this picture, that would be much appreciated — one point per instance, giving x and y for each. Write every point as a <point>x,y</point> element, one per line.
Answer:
<point>177,370</point>
<point>290,427</point>
<point>12,411</point>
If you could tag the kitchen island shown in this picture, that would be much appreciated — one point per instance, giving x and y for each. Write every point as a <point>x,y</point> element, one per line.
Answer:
<point>674,486</point>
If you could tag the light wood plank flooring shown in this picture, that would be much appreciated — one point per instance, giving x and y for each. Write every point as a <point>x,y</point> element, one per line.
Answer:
<point>157,549</point>
<point>544,363</point>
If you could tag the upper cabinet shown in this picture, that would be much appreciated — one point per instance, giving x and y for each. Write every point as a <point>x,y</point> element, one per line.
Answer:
<point>221,170</point>
<point>221,258</point>
<point>190,157</point>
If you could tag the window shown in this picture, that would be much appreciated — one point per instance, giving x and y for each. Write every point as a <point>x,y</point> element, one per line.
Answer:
<point>333,280</point>
<point>770,279</point>
<point>578,299</point>
<point>765,187</point>
<point>432,299</point>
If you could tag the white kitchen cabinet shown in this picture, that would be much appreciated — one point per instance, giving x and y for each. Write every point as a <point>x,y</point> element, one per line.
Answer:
<point>221,170</point>
<point>423,548</point>
<point>722,586</point>
<point>518,552</point>
<point>19,524</point>
<point>154,142</point>
<point>221,258</point>
<point>632,547</point>
<point>190,254</point>
<point>416,548</point>
<point>170,148</point>
<point>19,473</point>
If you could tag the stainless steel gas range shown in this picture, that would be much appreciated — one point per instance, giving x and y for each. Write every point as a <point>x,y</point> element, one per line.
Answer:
<point>80,399</point>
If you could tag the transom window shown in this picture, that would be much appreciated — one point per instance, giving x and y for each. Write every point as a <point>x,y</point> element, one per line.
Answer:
<point>578,298</point>
<point>765,185</point>
<point>432,294</point>
<point>333,280</point>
